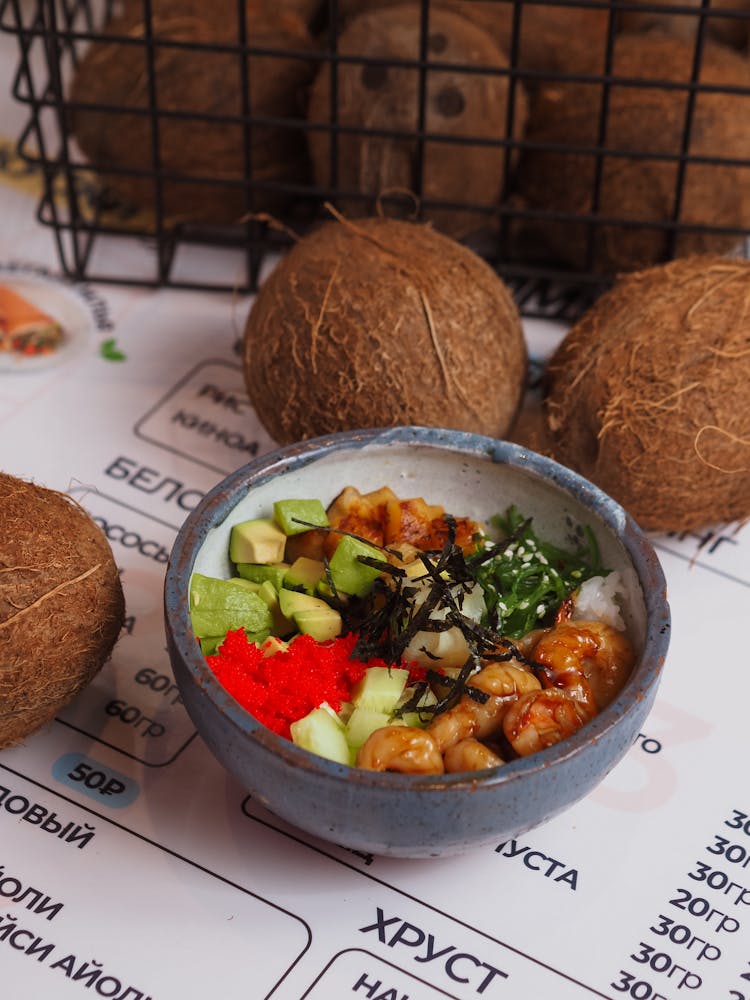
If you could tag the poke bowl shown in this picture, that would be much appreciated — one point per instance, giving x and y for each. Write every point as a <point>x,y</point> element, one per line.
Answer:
<point>509,497</point>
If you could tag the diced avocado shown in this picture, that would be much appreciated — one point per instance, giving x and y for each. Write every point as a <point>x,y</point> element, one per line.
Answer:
<point>380,689</point>
<point>248,585</point>
<point>324,590</point>
<point>349,574</point>
<point>304,574</point>
<point>311,615</point>
<point>322,625</point>
<point>320,732</point>
<point>257,541</point>
<point>274,645</point>
<point>289,514</point>
<point>258,573</point>
<point>362,722</point>
<point>210,644</point>
<point>292,601</point>
<point>220,606</point>
<point>281,625</point>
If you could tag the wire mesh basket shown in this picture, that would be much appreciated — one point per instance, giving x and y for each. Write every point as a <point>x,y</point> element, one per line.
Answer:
<point>564,140</point>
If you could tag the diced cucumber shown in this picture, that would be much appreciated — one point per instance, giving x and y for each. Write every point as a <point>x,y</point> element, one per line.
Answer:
<point>289,513</point>
<point>345,711</point>
<point>380,689</point>
<point>320,732</point>
<point>257,541</point>
<point>362,722</point>
<point>414,718</point>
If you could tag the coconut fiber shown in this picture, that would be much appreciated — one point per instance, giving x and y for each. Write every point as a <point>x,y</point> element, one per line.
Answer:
<point>61,604</point>
<point>649,394</point>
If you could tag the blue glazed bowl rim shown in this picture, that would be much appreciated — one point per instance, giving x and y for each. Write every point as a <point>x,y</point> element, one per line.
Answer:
<point>219,502</point>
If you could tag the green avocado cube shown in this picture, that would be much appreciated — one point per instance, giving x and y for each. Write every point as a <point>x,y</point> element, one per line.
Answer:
<point>247,585</point>
<point>210,644</point>
<point>292,601</point>
<point>220,606</point>
<point>289,514</point>
<point>257,541</point>
<point>311,614</point>
<point>347,572</point>
<point>259,572</point>
<point>281,624</point>
<point>304,573</point>
<point>321,625</point>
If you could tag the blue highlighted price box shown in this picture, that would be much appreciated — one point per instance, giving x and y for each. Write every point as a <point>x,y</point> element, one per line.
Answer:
<point>99,782</point>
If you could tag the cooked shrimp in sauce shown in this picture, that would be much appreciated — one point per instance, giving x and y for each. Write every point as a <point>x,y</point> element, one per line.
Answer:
<point>571,671</point>
<point>590,660</point>
<point>406,749</point>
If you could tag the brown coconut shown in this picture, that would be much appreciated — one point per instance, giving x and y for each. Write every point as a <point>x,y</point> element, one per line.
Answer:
<point>644,122</point>
<point>381,322</point>
<point>728,25</point>
<point>550,38</point>
<point>376,97</point>
<point>649,394</point>
<point>192,81</point>
<point>61,604</point>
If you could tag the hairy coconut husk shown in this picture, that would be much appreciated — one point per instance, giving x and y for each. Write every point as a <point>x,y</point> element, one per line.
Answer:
<point>379,323</point>
<point>551,39</point>
<point>646,120</point>
<point>725,28</point>
<point>193,81</point>
<point>379,97</point>
<point>649,394</point>
<point>61,604</point>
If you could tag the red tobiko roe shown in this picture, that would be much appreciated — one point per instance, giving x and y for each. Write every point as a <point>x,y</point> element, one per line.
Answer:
<point>283,687</point>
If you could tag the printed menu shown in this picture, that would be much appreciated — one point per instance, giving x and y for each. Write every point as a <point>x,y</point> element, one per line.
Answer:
<point>133,866</point>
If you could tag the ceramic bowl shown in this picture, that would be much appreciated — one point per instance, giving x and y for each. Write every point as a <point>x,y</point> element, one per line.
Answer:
<point>399,814</point>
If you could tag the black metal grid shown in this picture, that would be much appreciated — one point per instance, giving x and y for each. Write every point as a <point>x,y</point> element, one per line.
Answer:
<point>52,34</point>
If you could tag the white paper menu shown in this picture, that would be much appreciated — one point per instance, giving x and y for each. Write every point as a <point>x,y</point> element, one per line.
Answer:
<point>133,866</point>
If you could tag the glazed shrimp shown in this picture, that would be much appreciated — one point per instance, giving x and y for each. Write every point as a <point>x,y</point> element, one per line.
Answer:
<point>406,749</point>
<point>470,755</point>
<point>590,660</point>
<point>503,682</point>
<point>539,719</point>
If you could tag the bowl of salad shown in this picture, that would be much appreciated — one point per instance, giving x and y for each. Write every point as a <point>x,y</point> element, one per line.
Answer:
<point>413,641</point>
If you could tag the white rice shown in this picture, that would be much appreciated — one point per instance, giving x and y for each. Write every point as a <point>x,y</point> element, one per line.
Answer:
<point>597,600</point>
